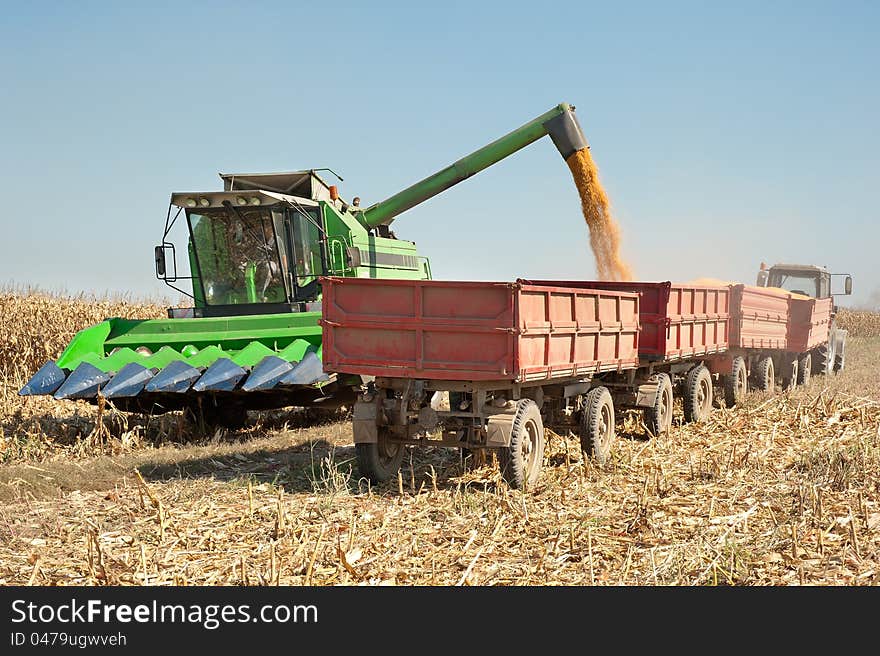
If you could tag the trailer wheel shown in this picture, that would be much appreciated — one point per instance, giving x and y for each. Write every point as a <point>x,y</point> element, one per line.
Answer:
<point>805,367</point>
<point>597,425</point>
<point>381,460</point>
<point>736,383</point>
<point>698,390</point>
<point>765,375</point>
<point>790,368</point>
<point>658,418</point>
<point>520,463</point>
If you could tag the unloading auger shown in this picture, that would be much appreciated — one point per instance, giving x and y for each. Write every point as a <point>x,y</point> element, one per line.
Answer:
<point>256,250</point>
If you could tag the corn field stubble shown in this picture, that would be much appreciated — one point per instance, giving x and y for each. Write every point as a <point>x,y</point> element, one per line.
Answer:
<point>782,490</point>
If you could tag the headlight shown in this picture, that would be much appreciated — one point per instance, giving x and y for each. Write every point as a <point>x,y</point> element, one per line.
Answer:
<point>190,202</point>
<point>204,202</point>
<point>241,200</point>
<point>255,200</point>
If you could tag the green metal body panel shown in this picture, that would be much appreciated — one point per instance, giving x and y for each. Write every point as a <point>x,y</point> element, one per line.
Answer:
<point>246,340</point>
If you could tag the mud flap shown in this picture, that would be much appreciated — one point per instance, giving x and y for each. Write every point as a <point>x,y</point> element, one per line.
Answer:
<point>643,395</point>
<point>364,418</point>
<point>498,429</point>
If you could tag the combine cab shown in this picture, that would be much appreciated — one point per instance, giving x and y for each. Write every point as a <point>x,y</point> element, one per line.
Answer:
<point>815,282</point>
<point>256,250</point>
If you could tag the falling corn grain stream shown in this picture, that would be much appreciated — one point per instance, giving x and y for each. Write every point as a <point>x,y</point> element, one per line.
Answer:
<point>604,231</point>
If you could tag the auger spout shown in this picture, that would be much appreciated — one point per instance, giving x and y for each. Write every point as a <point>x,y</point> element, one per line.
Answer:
<point>560,123</point>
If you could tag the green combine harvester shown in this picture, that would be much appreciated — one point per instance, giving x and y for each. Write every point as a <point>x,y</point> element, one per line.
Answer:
<point>252,339</point>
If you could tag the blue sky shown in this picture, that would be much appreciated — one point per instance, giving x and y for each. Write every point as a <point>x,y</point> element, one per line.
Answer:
<point>725,133</point>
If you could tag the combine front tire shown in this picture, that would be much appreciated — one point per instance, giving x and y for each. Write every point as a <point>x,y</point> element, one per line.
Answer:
<point>658,418</point>
<point>211,416</point>
<point>597,425</point>
<point>736,383</point>
<point>697,394</point>
<point>520,462</point>
<point>381,460</point>
<point>765,375</point>
<point>805,367</point>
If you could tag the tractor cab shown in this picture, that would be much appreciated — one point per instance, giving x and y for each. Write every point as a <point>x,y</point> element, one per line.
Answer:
<point>806,279</point>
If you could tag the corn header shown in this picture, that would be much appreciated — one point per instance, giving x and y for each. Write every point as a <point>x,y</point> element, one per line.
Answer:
<point>256,251</point>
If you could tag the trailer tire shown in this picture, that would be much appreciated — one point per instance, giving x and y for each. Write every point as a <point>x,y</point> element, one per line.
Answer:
<point>765,375</point>
<point>658,418</point>
<point>698,390</point>
<point>736,383</point>
<point>379,461</point>
<point>521,461</point>
<point>805,368</point>
<point>791,371</point>
<point>597,425</point>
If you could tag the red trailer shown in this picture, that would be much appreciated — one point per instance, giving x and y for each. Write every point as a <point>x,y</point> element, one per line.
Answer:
<point>512,357</point>
<point>678,321</point>
<point>774,337</point>
<point>516,357</point>
<point>684,327</point>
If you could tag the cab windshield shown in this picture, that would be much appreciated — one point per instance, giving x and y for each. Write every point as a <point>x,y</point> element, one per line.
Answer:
<point>800,284</point>
<point>240,254</point>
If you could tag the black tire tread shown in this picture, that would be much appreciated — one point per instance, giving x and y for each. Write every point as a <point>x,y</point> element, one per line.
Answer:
<point>656,424</point>
<point>594,400</point>
<point>765,375</point>
<point>732,393</point>
<point>692,410</point>
<point>510,460</point>
<point>372,466</point>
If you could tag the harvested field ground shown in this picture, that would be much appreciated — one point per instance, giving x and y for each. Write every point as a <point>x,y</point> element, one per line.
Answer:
<point>783,490</point>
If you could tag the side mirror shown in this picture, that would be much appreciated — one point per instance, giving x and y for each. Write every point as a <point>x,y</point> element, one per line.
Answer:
<point>160,261</point>
<point>762,278</point>
<point>847,285</point>
<point>353,257</point>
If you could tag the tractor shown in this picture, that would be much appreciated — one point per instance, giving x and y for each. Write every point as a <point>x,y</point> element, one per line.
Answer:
<point>814,281</point>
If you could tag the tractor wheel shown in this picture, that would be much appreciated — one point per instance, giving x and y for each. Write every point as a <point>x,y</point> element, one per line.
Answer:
<point>840,356</point>
<point>765,375</point>
<point>521,461</point>
<point>736,383</point>
<point>823,363</point>
<point>805,368</point>
<point>697,394</point>
<point>597,425</point>
<point>658,418</point>
<point>381,460</point>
